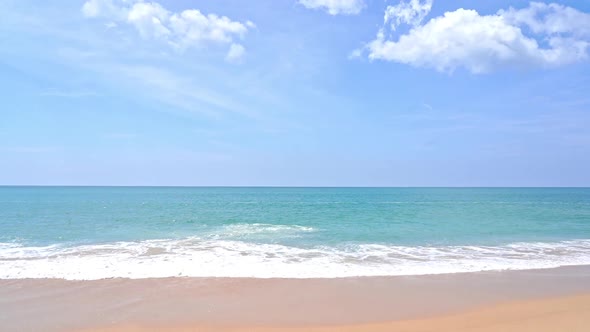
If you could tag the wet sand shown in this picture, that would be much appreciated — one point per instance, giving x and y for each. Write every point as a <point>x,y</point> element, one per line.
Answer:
<point>534,300</point>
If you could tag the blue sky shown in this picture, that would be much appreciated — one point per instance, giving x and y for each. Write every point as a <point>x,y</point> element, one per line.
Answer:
<point>301,93</point>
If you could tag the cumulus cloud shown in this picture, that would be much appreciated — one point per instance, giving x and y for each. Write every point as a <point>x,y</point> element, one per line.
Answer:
<point>189,28</point>
<point>150,19</point>
<point>335,7</point>
<point>542,35</point>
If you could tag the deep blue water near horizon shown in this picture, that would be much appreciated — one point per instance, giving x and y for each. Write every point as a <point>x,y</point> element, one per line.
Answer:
<point>346,224</point>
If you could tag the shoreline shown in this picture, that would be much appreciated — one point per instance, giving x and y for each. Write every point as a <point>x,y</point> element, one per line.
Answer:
<point>198,258</point>
<point>248,303</point>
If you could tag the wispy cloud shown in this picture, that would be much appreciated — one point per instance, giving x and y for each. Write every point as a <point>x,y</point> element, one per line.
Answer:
<point>336,7</point>
<point>427,106</point>
<point>180,91</point>
<point>236,53</point>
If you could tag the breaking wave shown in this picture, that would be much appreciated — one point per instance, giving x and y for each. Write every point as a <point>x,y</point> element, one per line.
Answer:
<point>210,257</point>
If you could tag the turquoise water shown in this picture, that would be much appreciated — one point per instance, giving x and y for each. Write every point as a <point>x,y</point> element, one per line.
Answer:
<point>95,232</point>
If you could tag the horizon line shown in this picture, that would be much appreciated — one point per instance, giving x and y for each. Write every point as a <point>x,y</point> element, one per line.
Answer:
<point>271,186</point>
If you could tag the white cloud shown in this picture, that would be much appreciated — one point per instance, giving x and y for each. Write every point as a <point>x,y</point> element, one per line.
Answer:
<point>192,27</point>
<point>335,7</point>
<point>542,35</point>
<point>235,53</point>
<point>412,13</point>
<point>149,19</point>
<point>189,28</point>
<point>551,18</point>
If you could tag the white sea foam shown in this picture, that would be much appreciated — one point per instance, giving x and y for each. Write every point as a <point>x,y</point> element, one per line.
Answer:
<point>222,258</point>
<point>260,230</point>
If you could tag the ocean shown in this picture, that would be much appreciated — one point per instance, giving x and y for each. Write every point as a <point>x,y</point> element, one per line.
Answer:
<point>85,233</point>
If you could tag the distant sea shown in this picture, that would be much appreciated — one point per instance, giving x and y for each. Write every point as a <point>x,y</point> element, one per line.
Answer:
<point>143,232</point>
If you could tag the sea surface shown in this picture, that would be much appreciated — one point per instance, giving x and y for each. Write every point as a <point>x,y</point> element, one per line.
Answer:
<point>143,232</point>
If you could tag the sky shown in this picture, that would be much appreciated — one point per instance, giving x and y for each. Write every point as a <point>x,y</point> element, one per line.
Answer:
<point>295,92</point>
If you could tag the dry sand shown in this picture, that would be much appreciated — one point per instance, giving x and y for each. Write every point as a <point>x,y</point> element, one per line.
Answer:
<point>537,300</point>
<point>558,314</point>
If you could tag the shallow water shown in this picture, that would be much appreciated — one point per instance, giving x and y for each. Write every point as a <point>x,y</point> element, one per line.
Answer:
<point>102,232</point>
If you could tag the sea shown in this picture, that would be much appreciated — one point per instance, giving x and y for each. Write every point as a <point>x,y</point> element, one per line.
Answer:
<point>88,233</point>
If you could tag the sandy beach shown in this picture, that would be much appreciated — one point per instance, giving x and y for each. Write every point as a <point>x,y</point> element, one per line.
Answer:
<point>533,300</point>
<point>555,314</point>
<point>295,165</point>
